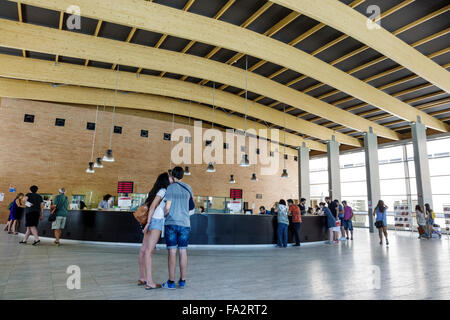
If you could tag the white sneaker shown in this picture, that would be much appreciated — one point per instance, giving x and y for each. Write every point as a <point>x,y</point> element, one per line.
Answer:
<point>342,238</point>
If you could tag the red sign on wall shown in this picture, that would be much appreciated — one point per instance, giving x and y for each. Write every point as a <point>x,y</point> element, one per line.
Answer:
<point>236,193</point>
<point>125,187</point>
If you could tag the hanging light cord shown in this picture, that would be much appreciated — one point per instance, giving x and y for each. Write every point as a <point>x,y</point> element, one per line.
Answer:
<point>171,140</point>
<point>246,97</point>
<point>114,109</point>
<point>103,118</point>
<point>93,136</point>
<point>213,101</point>
<point>284,113</point>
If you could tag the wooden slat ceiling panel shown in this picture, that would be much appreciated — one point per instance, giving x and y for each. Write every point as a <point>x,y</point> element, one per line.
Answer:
<point>261,16</point>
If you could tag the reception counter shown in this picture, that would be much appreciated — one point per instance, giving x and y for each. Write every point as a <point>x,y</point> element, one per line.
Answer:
<point>211,229</point>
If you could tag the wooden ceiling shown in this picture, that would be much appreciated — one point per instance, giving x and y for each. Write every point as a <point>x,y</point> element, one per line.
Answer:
<point>316,60</point>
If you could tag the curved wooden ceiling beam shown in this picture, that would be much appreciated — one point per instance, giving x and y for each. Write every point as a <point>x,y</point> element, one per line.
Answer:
<point>47,71</point>
<point>354,24</point>
<point>76,45</point>
<point>21,89</point>
<point>158,18</point>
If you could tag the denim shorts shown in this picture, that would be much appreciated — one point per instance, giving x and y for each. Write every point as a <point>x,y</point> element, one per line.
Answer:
<point>176,236</point>
<point>348,225</point>
<point>157,224</point>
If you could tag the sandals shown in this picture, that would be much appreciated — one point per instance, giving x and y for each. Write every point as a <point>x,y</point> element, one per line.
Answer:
<point>141,283</point>
<point>158,286</point>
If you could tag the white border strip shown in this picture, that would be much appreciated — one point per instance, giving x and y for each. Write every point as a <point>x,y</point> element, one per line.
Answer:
<point>191,246</point>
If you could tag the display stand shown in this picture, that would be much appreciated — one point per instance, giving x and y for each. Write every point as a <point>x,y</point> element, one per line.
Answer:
<point>403,218</point>
<point>447,219</point>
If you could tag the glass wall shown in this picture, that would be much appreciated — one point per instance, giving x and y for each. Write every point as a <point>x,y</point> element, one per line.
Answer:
<point>397,176</point>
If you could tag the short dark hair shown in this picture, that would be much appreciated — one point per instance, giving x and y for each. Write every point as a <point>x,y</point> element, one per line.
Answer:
<point>336,201</point>
<point>282,202</point>
<point>262,207</point>
<point>344,202</point>
<point>302,199</point>
<point>327,198</point>
<point>33,189</point>
<point>178,173</point>
<point>106,197</point>
<point>290,201</point>
<point>322,204</point>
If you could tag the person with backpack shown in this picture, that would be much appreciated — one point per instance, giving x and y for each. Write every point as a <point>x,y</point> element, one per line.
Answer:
<point>179,202</point>
<point>430,221</point>
<point>60,205</point>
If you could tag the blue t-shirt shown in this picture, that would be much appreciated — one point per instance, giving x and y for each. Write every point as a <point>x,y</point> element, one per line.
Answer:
<point>340,215</point>
<point>381,216</point>
<point>179,209</point>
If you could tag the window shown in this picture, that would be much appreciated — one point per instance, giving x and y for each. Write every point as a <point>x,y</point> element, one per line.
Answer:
<point>29,118</point>
<point>60,122</point>
<point>90,126</point>
<point>144,133</point>
<point>117,129</point>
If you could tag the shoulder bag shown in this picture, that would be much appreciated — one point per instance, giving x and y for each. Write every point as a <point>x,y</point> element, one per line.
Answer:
<point>52,216</point>
<point>141,214</point>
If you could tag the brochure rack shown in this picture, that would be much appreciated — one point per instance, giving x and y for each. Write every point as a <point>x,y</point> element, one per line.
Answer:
<point>447,218</point>
<point>403,218</point>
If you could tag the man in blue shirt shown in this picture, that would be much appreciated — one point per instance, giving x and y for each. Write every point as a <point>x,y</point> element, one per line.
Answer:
<point>177,226</point>
<point>262,210</point>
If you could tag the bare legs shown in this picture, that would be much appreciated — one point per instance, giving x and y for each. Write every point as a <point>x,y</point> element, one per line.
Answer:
<point>33,231</point>
<point>57,234</point>
<point>149,242</point>
<point>172,260</point>
<point>183,263</point>
<point>382,231</point>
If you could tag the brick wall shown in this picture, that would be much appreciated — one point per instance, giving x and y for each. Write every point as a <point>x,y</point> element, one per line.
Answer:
<point>51,157</point>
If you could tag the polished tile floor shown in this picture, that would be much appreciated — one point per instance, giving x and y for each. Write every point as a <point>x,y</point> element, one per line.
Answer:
<point>361,269</point>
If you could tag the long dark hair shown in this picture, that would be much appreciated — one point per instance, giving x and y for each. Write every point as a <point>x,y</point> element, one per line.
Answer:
<point>428,208</point>
<point>418,207</point>
<point>381,206</point>
<point>162,182</point>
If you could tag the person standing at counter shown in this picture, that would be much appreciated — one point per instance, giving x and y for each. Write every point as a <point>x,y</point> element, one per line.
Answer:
<point>262,210</point>
<point>33,213</point>
<point>294,211</point>
<point>177,227</point>
<point>302,206</point>
<point>16,212</point>
<point>105,204</point>
<point>61,202</point>
<point>283,223</point>
<point>331,221</point>
<point>153,229</point>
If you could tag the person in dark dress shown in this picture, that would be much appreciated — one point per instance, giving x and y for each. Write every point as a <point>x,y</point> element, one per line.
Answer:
<point>33,214</point>
<point>16,212</point>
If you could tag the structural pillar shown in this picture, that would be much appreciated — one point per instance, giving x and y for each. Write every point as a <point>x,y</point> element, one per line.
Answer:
<point>303,174</point>
<point>334,175</point>
<point>419,139</point>
<point>372,173</point>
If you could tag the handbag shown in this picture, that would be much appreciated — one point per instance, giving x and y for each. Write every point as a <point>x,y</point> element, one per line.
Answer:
<point>191,200</point>
<point>379,224</point>
<point>141,214</point>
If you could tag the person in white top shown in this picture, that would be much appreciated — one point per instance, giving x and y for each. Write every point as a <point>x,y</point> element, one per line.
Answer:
<point>153,229</point>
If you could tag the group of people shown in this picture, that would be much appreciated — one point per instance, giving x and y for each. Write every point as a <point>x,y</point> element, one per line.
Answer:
<point>168,204</point>
<point>32,205</point>
<point>339,219</point>
<point>425,221</point>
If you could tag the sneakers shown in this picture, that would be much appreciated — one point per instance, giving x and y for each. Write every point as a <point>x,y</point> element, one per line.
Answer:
<point>35,243</point>
<point>343,238</point>
<point>168,285</point>
<point>387,242</point>
<point>182,284</point>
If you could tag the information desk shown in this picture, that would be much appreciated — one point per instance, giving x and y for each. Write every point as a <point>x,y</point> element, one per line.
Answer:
<point>215,228</point>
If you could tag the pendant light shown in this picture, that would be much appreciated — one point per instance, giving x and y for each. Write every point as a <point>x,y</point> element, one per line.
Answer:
<point>98,162</point>
<point>285,173</point>
<point>90,168</point>
<point>232,180</point>
<point>186,169</point>
<point>108,157</point>
<point>210,165</point>
<point>244,161</point>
